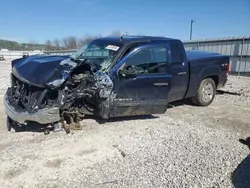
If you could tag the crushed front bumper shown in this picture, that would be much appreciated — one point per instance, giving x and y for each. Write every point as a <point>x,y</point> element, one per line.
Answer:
<point>43,116</point>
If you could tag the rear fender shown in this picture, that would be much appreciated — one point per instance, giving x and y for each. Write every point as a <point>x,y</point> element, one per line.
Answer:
<point>207,71</point>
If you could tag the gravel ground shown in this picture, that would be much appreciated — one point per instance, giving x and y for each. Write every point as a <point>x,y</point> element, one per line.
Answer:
<point>186,147</point>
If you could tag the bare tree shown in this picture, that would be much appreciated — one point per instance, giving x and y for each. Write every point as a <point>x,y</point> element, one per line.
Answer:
<point>89,38</point>
<point>116,33</point>
<point>70,43</point>
<point>48,45</point>
<point>86,39</point>
<point>81,42</point>
<point>64,43</point>
<point>33,44</point>
<point>57,44</point>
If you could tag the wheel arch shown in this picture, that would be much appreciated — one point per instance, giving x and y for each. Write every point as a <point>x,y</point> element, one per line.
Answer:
<point>200,98</point>
<point>215,78</point>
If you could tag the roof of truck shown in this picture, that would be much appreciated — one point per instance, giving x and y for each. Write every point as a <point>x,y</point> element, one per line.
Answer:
<point>120,40</point>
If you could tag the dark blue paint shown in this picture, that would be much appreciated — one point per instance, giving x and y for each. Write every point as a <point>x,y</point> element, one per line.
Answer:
<point>140,94</point>
<point>197,55</point>
<point>39,70</point>
<point>197,66</point>
<point>179,82</point>
<point>206,67</point>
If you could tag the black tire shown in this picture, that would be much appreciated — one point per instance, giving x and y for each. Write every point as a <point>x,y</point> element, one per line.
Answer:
<point>206,93</point>
<point>9,124</point>
<point>14,126</point>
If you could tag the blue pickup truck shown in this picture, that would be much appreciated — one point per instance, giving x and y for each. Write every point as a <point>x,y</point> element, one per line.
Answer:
<point>110,77</point>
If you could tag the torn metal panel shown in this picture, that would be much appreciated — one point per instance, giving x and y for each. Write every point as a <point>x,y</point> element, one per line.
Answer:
<point>69,63</point>
<point>104,83</point>
<point>107,105</point>
<point>56,83</point>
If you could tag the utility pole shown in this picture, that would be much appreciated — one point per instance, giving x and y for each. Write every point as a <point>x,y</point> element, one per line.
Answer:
<point>191,29</point>
<point>62,32</point>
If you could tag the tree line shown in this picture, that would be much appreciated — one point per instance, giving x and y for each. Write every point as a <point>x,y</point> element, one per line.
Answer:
<point>70,43</point>
<point>11,45</point>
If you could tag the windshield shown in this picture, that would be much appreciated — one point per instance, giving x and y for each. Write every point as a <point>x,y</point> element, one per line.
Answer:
<point>101,53</point>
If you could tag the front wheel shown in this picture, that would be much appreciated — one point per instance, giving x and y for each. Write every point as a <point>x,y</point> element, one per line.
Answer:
<point>8,124</point>
<point>14,126</point>
<point>206,93</point>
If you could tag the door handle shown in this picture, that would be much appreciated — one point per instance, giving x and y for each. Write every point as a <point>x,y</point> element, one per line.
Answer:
<point>182,73</point>
<point>159,84</point>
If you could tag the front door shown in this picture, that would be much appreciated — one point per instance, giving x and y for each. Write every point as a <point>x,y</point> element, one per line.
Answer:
<point>142,83</point>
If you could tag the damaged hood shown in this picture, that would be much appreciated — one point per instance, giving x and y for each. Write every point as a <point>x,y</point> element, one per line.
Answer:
<point>43,70</point>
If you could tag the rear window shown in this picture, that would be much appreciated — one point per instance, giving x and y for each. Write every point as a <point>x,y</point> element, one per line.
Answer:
<point>177,54</point>
<point>160,54</point>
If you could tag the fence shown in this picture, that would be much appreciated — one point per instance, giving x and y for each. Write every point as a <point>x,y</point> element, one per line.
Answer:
<point>238,48</point>
<point>17,54</point>
<point>61,52</point>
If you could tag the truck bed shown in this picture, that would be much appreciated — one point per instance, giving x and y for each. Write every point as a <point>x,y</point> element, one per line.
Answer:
<point>206,64</point>
<point>193,55</point>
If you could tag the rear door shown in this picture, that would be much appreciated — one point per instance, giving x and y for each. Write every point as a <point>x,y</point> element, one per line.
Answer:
<point>146,90</point>
<point>179,70</point>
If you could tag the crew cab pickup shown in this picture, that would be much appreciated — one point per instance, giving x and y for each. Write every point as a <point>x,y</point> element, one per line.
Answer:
<point>110,77</point>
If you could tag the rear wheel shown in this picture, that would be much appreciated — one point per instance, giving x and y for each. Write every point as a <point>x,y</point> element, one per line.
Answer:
<point>206,93</point>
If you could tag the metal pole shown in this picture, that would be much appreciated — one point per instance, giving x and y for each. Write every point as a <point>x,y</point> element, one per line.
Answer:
<point>246,59</point>
<point>241,55</point>
<point>62,32</point>
<point>191,29</point>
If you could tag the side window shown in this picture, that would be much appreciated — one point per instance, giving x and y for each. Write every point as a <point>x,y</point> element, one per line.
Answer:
<point>177,56</point>
<point>152,60</point>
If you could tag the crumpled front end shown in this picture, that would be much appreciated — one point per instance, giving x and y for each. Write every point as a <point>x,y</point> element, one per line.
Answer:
<point>81,92</point>
<point>43,116</point>
<point>23,103</point>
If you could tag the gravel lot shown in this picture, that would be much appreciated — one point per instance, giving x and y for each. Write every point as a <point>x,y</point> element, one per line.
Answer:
<point>187,147</point>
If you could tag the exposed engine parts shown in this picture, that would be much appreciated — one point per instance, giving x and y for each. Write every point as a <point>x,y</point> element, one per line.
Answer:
<point>84,92</point>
